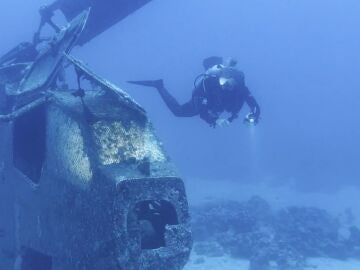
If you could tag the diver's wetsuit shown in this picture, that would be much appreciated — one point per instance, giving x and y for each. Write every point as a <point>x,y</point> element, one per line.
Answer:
<point>209,100</point>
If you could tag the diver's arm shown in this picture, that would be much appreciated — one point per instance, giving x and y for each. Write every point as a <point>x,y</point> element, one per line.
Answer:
<point>208,118</point>
<point>200,102</point>
<point>254,108</point>
<point>233,117</point>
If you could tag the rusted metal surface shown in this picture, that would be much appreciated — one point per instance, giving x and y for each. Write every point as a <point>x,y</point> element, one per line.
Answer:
<point>84,180</point>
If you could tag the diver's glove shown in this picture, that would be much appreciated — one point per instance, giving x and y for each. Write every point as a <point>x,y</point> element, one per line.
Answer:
<point>251,119</point>
<point>222,122</point>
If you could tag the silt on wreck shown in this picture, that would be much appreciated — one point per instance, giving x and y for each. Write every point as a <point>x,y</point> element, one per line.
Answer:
<point>84,181</point>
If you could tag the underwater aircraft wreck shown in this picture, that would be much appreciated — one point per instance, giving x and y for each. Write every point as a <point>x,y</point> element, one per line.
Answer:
<point>84,182</point>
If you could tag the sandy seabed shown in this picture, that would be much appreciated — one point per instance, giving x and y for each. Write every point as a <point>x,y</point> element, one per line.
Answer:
<point>227,263</point>
<point>279,197</point>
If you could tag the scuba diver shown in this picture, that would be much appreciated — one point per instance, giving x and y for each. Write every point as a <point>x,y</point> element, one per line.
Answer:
<point>220,89</point>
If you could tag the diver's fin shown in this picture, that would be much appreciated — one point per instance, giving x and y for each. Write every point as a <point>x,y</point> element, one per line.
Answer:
<point>150,83</point>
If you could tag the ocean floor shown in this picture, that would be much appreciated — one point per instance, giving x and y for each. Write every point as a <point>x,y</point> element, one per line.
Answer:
<point>197,262</point>
<point>278,196</point>
<point>337,203</point>
<point>227,263</point>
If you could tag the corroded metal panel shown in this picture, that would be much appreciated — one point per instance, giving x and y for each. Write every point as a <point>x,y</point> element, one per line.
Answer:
<point>96,189</point>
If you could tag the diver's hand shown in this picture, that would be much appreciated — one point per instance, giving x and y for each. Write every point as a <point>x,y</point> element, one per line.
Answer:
<point>222,122</point>
<point>251,119</point>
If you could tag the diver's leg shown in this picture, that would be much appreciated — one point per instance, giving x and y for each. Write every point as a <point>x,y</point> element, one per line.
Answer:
<point>185,110</point>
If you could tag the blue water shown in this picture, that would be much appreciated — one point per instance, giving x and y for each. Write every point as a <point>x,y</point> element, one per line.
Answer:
<point>301,61</point>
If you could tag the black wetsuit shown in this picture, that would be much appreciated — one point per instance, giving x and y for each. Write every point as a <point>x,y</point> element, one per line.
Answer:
<point>209,100</point>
